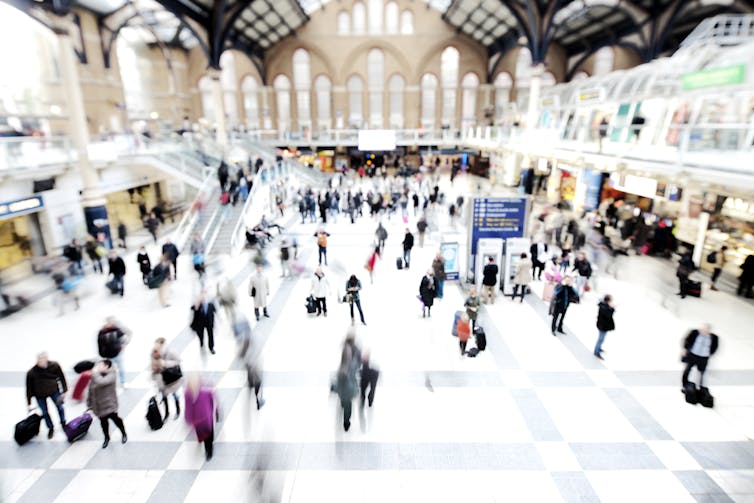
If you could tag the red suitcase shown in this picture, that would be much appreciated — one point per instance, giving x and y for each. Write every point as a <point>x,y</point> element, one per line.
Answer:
<point>81,385</point>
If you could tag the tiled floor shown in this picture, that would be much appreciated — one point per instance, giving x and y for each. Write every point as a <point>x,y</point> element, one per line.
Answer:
<point>534,418</point>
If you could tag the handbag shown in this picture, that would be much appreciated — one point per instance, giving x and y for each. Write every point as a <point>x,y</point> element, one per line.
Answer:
<point>253,291</point>
<point>171,374</point>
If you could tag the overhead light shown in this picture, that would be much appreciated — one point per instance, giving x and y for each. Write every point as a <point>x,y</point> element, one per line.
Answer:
<point>154,116</point>
<point>55,110</point>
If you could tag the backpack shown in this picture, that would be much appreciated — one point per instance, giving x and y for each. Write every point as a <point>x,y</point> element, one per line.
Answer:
<point>322,240</point>
<point>109,343</point>
<point>712,257</point>
<point>284,254</point>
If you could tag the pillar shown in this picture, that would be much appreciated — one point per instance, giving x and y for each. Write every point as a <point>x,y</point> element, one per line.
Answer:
<point>95,211</point>
<point>218,106</point>
<point>534,88</point>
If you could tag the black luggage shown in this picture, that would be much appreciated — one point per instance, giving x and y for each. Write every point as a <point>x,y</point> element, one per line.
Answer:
<point>154,418</point>
<point>112,286</point>
<point>694,288</point>
<point>481,338</point>
<point>155,279</point>
<point>705,399</point>
<point>83,366</point>
<point>471,353</point>
<point>311,305</point>
<point>399,263</point>
<point>691,394</point>
<point>27,429</point>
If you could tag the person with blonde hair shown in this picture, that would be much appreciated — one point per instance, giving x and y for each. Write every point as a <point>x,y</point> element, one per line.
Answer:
<point>166,373</point>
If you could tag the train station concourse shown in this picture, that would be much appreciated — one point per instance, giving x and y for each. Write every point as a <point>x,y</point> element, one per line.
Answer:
<point>377,251</point>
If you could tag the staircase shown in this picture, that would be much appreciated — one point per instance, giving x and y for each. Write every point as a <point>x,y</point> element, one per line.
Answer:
<point>219,242</point>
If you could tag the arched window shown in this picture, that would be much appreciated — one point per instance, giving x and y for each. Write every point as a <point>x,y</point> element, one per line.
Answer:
<point>375,17</point>
<point>323,88</point>
<point>502,85</point>
<point>396,86</point>
<point>282,86</point>
<point>375,84</point>
<point>355,87</point>
<point>302,83</point>
<point>391,18</point>
<point>250,89</point>
<point>429,97</point>
<point>407,22</point>
<point>208,103</point>
<point>603,61</point>
<point>449,74</point>
<point>228,81</point>
<point>359,19</point>
<point>523,68</point>
<point>470,86</point>
<point>344,23</point>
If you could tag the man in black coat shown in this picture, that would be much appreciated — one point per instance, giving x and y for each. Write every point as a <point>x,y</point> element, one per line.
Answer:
<point>46,380</point>
<point>563,296</point>
<point>489,280</point>
<point>204,318</point>
<point>171,251</point>
<point>699,345</point>
<point>408,243</point>
<point>118,270</point>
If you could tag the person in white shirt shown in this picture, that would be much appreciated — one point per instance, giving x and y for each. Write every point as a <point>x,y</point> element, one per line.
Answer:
<point>699,346</point>
<point>320,289</point>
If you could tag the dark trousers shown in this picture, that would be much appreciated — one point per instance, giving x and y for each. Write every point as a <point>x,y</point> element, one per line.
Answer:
<point>463,346</point>
<point>716,274</point>
<point>368,380</point>
<point>347,405</point>
<point>683,286</point>
<point>42,402</point>
<point>210,336</point>
<point>103,421</point>
<point>744,288</point>
<point>97,265</point>
<point>515,291</point>
<point>538,267</point>
<point>118,281</point>
<point>209,443</point>
<point>692,360</point>
<point>358,305</point>
<point>175,268</point>
<point>321,305</point>
<point>407,257</point>
<point>558,314</point>
<point>322,253</point>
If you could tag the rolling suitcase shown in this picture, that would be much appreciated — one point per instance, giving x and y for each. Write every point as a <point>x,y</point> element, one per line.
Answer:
<point>27,429</point>
<point>81,384</point>
<point>457,317</point>
<point>77,428</point>
<point>705,399</point>
<point>471,353</point>
<point>112,286</point>
<point>481,338</point>
<point>691,394</point>
<point>154,418</point>
<point>399,263</point>
<point>694,288</point>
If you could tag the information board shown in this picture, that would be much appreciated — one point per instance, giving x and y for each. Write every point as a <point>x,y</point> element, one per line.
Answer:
<point>497,217</point>
<point>452,260</point>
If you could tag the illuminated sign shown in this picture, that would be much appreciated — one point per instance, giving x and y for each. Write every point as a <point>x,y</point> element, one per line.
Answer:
<point>714,77</point>
<point>591,96</point>
<point>20,206</point>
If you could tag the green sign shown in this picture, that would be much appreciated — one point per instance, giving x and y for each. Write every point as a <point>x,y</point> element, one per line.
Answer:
<point>714,77</point>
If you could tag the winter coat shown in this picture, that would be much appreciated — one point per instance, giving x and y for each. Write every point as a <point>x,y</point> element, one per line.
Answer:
<point>200,319</point>
<point>44,382</point>
<point>583,267</point>
<point>489,275</point>
<point>320,286</point>
<point>117,266</point>
<point>201,412</point>
<point>559,297</point>
<point>605,317</point>
<point>523,272</point>
<point>438,267</point>
<point>408,241</point>
<point>170,250</point>
<point>145,265</point>
<point>261,284</point>
<point>428,290</point>
<point>102,397</point>
<point>463,328</point>
<point>353,290</point>
<point>472,302</point>
<point>160,362</point>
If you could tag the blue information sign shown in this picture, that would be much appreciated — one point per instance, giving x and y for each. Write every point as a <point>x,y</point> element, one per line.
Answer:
<point>497,217</point>
<point>21,206</point>
<point>593,182</point>
<point>452,259</point>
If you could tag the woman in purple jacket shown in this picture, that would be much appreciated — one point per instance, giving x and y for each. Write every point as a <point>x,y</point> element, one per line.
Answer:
<point>202,411</point>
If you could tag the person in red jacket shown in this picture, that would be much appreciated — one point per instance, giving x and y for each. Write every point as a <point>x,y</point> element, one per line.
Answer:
<point>463,328</point>
<point>46,380</point>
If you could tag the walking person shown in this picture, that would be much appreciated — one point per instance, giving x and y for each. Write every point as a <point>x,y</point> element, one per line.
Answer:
<point>171,251</point>
<point>381,234</point>
<point>539,256</point>
<point>699,345</point>
<point>438,271</point>
<point>522,277</point>
<point>145,265</point>
<point>319,290</point>
<point>746,279</point>
<point>166,373</point>
<point>408,244</point>
<point>685,268</point>
<point>463,329</point>
<point>584,269</point>
<point>605,323</point>
<point>322,236</point>
<point>122,234</point>
<point>563,296</point>
<point>427,292</point>
<point>203,318</point>
<point>73,253</point>
<point>46,380</point>
<point>285,258</point>
<point>116,268</point>
<point>719,264</point>
<point>372,263</point>
<point>102,400</point>
<point>152,224</point>
<point>353,287</point>
<point>489,280</point>
<point>369,377</point>
<point>162,271</point>
<point>421,228</point>
<point>198,249</point>
<point>250,357</point>
<point>202,411</point>
<point>93,250</point>
<point>112,339</point>
<point>259,289</point>
<point>472,306</point>
<point>345,385</point>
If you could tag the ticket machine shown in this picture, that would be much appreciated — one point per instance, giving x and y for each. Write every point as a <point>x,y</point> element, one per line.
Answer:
<point>514,247</point>
<point>486,248</point>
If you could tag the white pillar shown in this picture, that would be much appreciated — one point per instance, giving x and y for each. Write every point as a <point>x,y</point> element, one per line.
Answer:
<point>534,88</point>
<point>218,106</point>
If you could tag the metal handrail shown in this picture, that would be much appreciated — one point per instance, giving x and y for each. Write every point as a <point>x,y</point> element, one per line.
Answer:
<point>188,221</point>
<point>234,237</point>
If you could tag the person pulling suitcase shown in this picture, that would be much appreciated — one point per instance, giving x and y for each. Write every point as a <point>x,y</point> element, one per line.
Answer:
<point>699,345</point>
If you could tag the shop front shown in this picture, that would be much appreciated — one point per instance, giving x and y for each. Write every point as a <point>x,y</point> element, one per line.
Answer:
<point>731,224</point>
<point>20,232</point>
